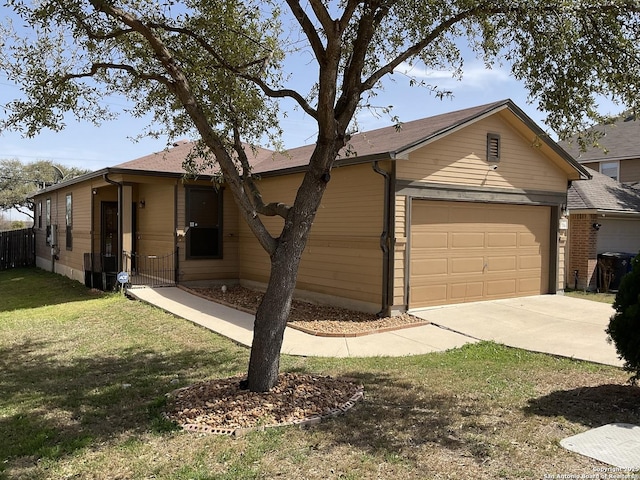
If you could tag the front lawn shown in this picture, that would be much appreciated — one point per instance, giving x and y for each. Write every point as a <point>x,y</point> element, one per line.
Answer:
<point>83,379</point>
<point>593,296</point>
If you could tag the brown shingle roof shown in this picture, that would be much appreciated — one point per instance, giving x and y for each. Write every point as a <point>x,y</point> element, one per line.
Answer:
<point>170,160</point>
<point>621,141</point>
<point>603,193</point>
<point>383,142</point>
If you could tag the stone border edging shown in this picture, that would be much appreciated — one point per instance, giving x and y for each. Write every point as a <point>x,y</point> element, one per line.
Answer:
<point>302,423</point>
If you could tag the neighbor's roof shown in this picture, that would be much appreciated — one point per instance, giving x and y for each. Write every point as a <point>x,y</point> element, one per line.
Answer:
<point>603,193</point>
<point>620,141</point>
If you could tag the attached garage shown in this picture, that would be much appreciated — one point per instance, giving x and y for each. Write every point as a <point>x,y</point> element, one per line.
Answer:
<point>465,252</point>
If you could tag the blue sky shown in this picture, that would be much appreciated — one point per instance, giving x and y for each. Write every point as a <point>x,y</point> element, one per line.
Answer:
<point>87,146</point>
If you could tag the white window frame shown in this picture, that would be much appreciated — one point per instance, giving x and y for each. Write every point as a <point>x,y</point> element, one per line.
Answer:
<point>611,164</point>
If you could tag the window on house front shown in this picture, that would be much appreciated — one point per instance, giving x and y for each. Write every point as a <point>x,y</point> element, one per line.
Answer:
<point>40,214</point>
<point>69,221</point>
<point>610,169</point>
<point>47,217</point>
<point>493,147</point>
<point>204,222</point>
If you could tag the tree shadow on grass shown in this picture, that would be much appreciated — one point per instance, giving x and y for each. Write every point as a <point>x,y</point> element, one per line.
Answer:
<point>24,288</point>
<point>397,417</point>
<point>591,406</point>
<point>52,407</point>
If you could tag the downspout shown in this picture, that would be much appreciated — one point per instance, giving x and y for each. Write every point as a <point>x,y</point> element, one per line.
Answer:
<point>384,240</point>
<point>120,200</point>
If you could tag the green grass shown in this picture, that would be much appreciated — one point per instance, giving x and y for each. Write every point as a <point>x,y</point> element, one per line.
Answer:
<point>83,379</point>
<point>593,296</point>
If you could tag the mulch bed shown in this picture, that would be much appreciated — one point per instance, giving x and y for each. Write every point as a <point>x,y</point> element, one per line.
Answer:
<point>221,407</point>
<point>321,320</point>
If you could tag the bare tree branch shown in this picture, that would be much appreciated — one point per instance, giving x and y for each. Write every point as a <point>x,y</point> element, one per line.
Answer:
<point>116,66</point>
<point>182,90</point>
<point>308,29</point>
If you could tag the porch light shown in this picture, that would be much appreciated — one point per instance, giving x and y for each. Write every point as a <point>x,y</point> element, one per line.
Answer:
<point>141,203</point>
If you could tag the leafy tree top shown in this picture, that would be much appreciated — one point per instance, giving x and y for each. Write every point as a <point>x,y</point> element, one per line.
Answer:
<point>20,181</point>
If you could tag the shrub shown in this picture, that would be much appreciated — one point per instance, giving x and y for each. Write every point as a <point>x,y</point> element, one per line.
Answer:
<point>624,326</point>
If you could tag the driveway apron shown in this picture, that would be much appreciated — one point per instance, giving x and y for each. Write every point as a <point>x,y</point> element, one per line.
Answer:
<point>555,324</point>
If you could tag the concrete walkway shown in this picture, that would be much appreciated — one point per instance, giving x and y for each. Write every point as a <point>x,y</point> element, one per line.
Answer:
<point>553,324</point>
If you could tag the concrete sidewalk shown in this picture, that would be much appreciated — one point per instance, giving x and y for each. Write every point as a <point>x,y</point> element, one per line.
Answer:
<point>238,326</point>
<point>553,324</point>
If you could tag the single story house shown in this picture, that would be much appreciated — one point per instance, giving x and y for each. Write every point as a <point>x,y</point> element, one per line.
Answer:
<point>459,207</point>
<point>604,232</point>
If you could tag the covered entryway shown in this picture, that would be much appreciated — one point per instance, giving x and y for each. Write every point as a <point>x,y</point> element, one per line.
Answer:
<point>465,252</point>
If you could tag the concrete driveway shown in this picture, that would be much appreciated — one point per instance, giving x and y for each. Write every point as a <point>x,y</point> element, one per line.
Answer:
<point>554,324</point>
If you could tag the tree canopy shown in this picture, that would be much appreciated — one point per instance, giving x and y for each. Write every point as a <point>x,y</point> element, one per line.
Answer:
<point>223,70</point>
<point>20,181</point>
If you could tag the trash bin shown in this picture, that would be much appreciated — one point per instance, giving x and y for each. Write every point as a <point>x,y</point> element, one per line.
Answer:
<point>612,266</point>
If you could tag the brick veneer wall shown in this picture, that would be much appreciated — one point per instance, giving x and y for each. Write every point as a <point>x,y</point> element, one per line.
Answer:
<point>583,252</point>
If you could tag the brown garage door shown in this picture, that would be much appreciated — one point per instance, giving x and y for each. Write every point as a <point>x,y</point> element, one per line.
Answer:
<point>465,252</point>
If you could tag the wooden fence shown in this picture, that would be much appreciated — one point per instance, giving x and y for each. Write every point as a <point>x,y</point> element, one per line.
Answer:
<point>17,249</point>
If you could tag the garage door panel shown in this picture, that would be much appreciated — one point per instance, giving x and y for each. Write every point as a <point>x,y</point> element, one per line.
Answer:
<point>470,251</point>
<point>466,292</point>
<point>438,214</point>
<point>619,235</point>
<point>430,266</point>
<point>528,286</point>
<point>529,262</point>
<point>529,240</point>
<point>467,265</point>
<point>467,240</point>
<point>502,264</point>
<point>434,295</point>
<point>502,240</point>
<point>459,214</point>
<point>432,240</point>
<point>501,288</point>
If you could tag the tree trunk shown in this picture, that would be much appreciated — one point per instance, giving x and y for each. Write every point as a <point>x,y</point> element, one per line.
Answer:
<point>273,312</point>
<point>271,321</point>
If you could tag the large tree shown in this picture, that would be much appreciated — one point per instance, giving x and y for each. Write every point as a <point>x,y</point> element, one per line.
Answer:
<point>20,181</point>
<point>218,67</point>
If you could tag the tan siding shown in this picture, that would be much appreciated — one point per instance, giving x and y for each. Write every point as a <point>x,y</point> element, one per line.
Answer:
<point>70,262</point>
<point>155,222</point>
<point>630,170</point>
<point>343,256</point>
<point>562,247</point>
<point>400,251</point>
<point>592,165</point>
<point>460,159</point>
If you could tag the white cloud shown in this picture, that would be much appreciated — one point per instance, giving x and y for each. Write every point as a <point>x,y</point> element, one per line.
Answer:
<point>474,75</point>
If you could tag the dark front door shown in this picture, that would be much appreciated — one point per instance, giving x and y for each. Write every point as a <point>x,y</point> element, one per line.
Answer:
<point>109,246</point>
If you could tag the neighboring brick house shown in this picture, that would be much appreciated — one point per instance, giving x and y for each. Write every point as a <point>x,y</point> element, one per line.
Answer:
<point>604,218</point>
<point>617,153</point>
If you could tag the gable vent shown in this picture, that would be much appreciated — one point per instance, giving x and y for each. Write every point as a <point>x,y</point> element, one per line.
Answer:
<point>493,147</point>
